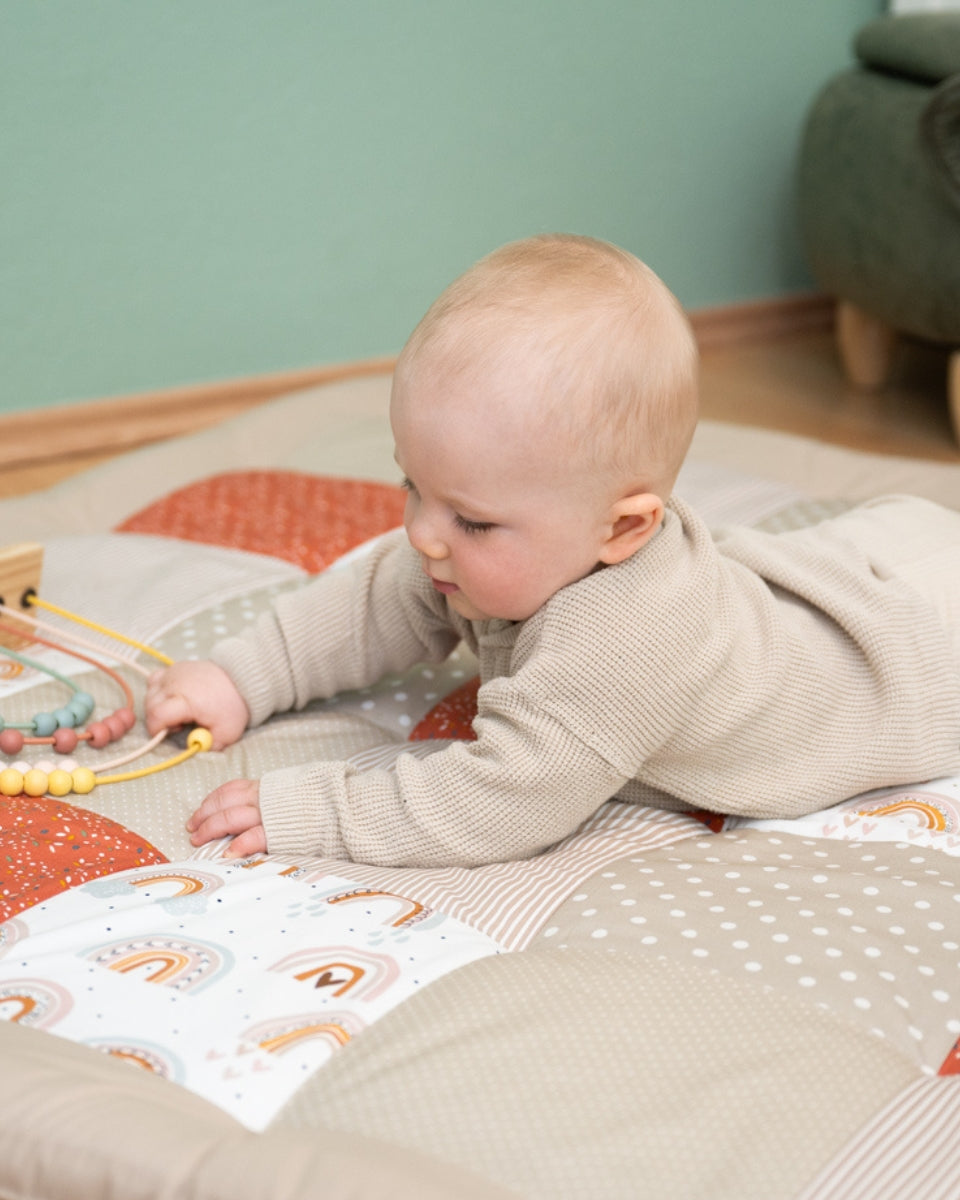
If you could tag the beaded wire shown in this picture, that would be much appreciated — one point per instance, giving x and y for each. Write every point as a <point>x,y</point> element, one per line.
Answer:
<point>44,724</point>
<point>33,781</point>
<point>65,739</point>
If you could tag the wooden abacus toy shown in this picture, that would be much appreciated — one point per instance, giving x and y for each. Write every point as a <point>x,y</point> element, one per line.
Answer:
<point>64,728</point>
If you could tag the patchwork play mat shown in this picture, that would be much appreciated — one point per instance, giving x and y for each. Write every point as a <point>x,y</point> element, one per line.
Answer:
<point>662,1005</point>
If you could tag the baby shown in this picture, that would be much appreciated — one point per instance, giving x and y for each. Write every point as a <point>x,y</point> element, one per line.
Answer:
<point>541,412</point>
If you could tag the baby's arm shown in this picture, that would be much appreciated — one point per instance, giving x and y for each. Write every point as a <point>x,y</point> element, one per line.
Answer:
<point>199,693</point>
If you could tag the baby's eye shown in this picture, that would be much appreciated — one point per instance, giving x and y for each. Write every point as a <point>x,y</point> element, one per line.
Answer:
<point>472,526</point>
<point>407,484</point>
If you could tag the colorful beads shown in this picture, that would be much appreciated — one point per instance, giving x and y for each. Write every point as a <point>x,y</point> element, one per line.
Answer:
<point>35,781</point>
<point>64,738</point>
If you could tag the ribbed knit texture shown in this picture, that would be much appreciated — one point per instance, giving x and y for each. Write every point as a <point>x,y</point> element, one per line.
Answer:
<point>758,674</point>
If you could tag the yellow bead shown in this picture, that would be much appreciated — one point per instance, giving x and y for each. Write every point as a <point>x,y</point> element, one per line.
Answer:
<point>84,780</point>
<point>59,783</point>
<point>200,738</point>
<point>11,782</point>
<point>35,782</point>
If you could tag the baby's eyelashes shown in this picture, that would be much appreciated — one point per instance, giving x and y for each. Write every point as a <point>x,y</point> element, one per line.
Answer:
<point>472,526</point>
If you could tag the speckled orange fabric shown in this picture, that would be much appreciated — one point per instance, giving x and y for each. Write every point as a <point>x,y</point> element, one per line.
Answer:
<point>47,846</point>
<point>305,519</point>
<point>452,717</point>
<point>951,1064</point>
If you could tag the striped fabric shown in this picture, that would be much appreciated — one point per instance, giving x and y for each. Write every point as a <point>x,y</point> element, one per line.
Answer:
<point>908,1151</point>
<point>510,901</point>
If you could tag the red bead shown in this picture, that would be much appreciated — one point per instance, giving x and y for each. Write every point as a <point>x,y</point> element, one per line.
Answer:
<point>116,725</point>
<point>11,741</point>
<point>99,735</point>
<point>127,717</point>
<point>65,741</point>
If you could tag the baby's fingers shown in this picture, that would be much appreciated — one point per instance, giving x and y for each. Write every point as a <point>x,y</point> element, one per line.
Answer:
<point>225,822</point>
<point>231,809</point>
<point>167,712</point>
<point>251,841</point>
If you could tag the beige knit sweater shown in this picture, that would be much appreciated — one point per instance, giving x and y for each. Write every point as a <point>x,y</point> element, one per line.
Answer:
<point>758,674</point>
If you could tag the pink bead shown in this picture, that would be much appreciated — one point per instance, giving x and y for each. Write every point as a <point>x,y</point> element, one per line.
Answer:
<point>127,717</point>
<point>99,735</point>
<point>11,741</point>
<point>116,726</point>
<point>65,741</point>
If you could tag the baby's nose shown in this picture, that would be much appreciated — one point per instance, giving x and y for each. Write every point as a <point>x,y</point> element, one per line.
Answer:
<point>424,539</point>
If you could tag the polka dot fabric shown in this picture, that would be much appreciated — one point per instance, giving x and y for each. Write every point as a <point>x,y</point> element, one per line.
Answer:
<point>306,519</point>
<point>49,845</point>
<point>868,932</point>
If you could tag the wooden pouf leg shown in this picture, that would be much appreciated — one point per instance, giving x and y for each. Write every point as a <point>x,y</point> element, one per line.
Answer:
<point>866,346</point>
<point>953,391</point>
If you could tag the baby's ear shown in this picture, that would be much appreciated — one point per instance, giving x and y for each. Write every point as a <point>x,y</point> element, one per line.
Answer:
<point>633,522</point>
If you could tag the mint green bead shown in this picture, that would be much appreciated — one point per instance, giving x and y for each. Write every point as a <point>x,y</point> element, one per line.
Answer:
<point>82,705</point>
<point>66,717</point>
<point>45,724</point>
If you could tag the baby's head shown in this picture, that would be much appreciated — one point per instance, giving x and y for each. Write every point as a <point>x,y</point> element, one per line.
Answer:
<point>606,357</point>
<point>560,372</point>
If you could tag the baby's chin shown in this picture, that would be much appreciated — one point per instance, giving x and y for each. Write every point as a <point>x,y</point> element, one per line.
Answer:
<point>465,607</point>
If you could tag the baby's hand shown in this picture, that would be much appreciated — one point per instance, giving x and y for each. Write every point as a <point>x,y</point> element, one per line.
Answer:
<point>234,808</point>
<point>198,693</point>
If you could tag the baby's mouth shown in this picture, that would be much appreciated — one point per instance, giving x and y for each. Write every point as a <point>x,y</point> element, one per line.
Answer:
<point>446,589</point>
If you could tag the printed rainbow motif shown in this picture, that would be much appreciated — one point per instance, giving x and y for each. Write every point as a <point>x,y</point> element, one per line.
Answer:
<point>146,1056</point>
<point>411,911</point>
<point>11,931</point>
<point>186,883</point>
<point>927,810</point>
<point>40,1003</point>
<point>184,965</point>
<point>285,1033</point>
<point>366,974</point>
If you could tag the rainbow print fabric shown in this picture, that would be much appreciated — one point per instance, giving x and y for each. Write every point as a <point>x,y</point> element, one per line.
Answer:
<point>235,979</point>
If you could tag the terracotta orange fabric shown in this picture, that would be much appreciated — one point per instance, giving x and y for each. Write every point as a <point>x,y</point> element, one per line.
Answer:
<point>951,1064</point>
<point>49,846</point>
<point>452,717</point>
<point>305,519</point>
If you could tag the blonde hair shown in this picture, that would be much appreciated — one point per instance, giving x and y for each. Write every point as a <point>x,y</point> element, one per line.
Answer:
<point>619,360</point>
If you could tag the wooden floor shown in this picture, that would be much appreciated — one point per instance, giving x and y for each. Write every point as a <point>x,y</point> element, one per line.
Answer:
<point>795,384</point>
<point>792,383</point>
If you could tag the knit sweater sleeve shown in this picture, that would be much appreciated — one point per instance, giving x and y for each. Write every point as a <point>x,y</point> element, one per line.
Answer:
<point>524,784</point>
<point>345,629</point>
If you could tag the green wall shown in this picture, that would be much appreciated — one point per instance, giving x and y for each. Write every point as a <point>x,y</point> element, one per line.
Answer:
<point>195,190</point>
